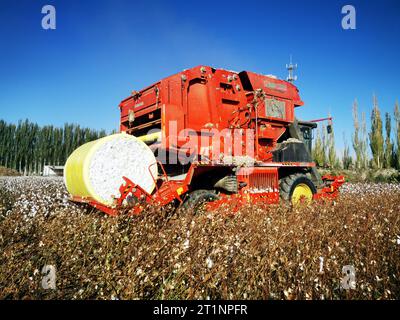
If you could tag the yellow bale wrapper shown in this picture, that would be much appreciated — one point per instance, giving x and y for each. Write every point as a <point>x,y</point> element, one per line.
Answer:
<point>95,169</point>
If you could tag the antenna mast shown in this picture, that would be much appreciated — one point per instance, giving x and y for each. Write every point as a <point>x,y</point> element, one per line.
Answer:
<point>291,67</point>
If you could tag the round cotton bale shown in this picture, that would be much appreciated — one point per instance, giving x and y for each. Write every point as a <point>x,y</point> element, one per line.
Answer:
<point>95,169</point>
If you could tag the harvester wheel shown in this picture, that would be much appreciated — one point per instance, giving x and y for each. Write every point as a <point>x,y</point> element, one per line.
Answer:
<point>197,198</point>
<point>297,188</point>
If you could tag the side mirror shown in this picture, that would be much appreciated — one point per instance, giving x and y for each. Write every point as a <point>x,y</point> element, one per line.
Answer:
<point>329,129</point>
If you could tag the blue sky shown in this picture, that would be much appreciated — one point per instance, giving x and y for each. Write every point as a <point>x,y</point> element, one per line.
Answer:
<point>102,50</point>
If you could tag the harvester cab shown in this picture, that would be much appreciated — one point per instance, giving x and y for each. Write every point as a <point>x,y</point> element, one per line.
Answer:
<point>203,135</point>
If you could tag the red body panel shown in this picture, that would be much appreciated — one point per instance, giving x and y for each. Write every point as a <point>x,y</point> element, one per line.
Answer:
<point>203,98</point>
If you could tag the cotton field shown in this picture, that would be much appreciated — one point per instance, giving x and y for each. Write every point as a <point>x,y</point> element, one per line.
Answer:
<point>346,249</point>
<point>33,196</point>
<point>369,189</point>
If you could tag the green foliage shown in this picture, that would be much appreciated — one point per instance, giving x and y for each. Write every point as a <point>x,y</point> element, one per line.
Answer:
<point>397,135</point>
<point>365,176</point>
<point>332,158</point>
<point>356,136</point>
<point>388,144</point>
<point>359,139</point>
<point>26,147</point>
<point>363,142</point>
<point>324,152</point>
<point>376,136</point>
<point>382,176</point>
<point>347,159</point>
<point>318,151</point>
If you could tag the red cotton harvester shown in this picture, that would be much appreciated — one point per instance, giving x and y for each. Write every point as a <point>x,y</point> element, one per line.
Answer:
<point>218,137</point>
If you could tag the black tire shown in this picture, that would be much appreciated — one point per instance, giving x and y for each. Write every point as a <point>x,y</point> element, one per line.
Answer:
<point>197,198</point>
<point>289,183</point>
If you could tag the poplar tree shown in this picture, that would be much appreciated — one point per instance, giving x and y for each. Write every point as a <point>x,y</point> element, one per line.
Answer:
<point>376,136</point>
<point>3,137</point>
<point>324,145</point>
<point>347,159</point>
<point>356,137</point>
<point>397,135</point>
<point>27,147</point>
<point>332,158</point>
<point>388,144</point>
<point>318,152</point>
<point>363,142</point>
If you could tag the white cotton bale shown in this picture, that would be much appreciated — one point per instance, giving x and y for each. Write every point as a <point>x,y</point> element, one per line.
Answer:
<point>95,169</point>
